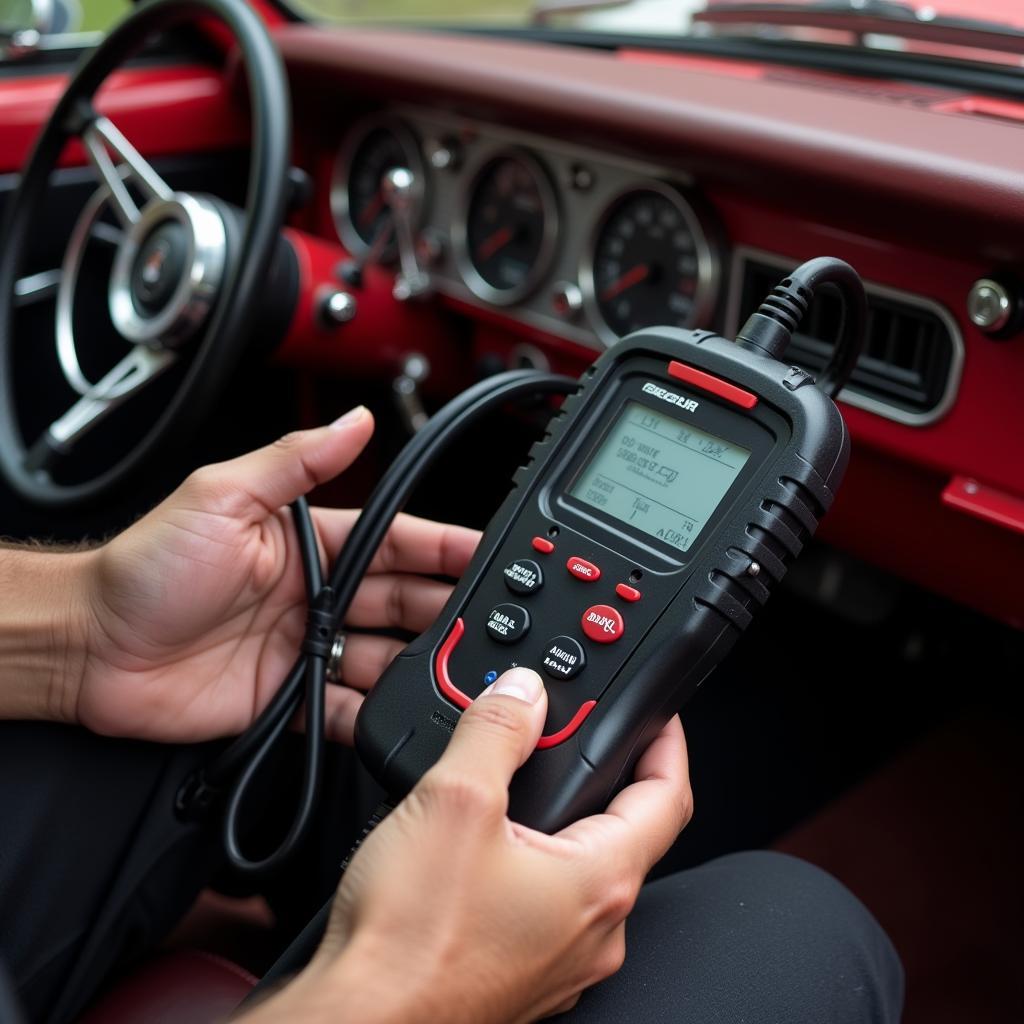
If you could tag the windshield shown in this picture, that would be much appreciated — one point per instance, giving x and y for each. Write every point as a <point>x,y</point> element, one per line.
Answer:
<point>914,23</point>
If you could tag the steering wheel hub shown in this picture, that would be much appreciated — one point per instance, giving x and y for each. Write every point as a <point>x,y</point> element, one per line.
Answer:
<point>158,268</point>
<point>167,271</point>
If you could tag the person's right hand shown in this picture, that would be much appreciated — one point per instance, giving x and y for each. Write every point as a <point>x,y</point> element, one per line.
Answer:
<point>451,912</point>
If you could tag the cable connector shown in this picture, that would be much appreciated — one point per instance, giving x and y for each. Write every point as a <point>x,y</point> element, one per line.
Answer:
<point>769,330</point>
<point>320,625</point>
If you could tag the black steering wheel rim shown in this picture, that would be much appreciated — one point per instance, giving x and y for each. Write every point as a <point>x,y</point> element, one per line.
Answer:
<point>224,337</point>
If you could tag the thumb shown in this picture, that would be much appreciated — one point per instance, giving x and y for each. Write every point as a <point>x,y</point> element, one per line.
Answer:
<point>290,467</point>
<point>499,730</point>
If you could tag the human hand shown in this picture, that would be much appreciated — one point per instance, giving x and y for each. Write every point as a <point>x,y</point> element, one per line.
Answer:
<point>450,912</point>
<point>196,612</point>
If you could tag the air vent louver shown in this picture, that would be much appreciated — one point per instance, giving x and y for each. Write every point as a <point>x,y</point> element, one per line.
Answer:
<point>910,360</point>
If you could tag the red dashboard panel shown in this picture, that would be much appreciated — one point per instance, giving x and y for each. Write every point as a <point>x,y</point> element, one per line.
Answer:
<point>917,200</point>
<point>163,111</point>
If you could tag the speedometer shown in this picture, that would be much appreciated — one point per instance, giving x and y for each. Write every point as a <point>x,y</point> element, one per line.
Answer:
<point>372,148</point>
<point>649,264</point>
<point>506,238</point>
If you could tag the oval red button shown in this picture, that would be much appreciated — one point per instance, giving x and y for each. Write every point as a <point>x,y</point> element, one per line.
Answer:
<point>582,569</point>
<point>602,623</point>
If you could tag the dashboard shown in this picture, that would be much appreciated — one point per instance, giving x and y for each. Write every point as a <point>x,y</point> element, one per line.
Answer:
<point>561,198</point>
<point>578,244</point>
<point>562,237</point>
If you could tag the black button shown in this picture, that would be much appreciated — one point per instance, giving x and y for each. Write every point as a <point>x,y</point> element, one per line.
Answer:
<point>563,658</point>
<point>523,576</point>
<point>508,623</point>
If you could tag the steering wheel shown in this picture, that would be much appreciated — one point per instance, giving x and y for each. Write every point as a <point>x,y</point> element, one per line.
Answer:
<point>187,270</point>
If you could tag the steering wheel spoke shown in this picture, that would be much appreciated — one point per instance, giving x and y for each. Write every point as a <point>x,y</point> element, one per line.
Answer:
<point>36,287</point>
<point>101,137</point>
<point>140,366</point>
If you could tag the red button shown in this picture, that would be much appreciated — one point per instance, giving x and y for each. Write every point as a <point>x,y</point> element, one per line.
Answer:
<point>626,592</point>
<point>602,623</point>
<point>541,544</point>
<point>582,569</point>
<point>722,388</point>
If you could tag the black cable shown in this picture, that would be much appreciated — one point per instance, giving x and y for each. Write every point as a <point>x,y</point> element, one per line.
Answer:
<point>236,766</point>
<point>769,330</point>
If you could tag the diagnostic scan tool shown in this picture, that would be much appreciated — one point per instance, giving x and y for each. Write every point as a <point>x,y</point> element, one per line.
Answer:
<point>645,531</point>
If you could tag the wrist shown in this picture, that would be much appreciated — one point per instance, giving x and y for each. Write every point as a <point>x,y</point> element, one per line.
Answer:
<point>43,632</point>
<point>358,985</point>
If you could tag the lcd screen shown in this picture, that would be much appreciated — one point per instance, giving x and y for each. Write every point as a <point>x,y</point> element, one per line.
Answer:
<point>659,475</point>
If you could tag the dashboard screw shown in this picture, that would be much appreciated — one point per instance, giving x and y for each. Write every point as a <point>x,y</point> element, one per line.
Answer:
<point>581,178</point>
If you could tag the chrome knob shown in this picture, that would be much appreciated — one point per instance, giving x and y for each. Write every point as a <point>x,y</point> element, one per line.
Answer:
<point>337,308</point>
<point>989,305</point>
<point>566,299</point>
<point>406,388</point>
<point>401,191</point>
<point>443,154</point>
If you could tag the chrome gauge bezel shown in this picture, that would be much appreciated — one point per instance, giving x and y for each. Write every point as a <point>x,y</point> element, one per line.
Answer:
<point>708,262</point>
<point>549,239</point>
<point>354,138</point>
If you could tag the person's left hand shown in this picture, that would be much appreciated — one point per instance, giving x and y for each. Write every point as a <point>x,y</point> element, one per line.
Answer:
<point>196,612</point>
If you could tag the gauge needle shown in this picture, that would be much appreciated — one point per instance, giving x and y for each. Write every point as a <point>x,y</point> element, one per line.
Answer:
<point>630,278</point>
<point>493,243</point>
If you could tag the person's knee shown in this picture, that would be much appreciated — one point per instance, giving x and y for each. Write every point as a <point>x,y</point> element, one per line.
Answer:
<point>810,929</point>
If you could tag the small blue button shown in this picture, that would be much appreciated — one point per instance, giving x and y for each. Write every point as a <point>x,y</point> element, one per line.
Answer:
<point>490,677</point>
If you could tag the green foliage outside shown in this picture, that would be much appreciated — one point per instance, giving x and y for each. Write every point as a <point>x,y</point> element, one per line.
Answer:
<point>99,15</point>
<point>479,11</point>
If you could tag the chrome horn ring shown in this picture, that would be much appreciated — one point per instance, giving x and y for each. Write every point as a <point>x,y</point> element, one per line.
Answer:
<point>196,291</point>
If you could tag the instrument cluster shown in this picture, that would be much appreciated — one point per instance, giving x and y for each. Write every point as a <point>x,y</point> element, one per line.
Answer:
<point>566,239</point>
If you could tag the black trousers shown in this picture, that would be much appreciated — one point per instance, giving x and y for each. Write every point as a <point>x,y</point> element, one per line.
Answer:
<point>94,870</point>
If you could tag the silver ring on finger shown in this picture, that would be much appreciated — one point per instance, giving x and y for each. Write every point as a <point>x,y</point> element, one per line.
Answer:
<point>333,671</point>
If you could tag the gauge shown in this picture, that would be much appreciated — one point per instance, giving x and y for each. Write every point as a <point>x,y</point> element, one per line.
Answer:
<point>649,264</point>
<point>371,149</point>
<point>506,240</point>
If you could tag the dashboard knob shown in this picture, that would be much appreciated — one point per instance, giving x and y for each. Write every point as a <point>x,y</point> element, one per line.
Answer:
<point>400,189</point>
<point>337,308</point>
<point>990,305</point>
<point>443,154</point>
<point>566,299</point>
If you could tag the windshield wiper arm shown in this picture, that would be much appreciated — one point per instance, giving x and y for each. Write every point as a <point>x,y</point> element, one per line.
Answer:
<point>863,17</point>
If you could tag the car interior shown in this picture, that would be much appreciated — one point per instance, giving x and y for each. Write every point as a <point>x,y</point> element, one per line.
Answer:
<point>387,204</point>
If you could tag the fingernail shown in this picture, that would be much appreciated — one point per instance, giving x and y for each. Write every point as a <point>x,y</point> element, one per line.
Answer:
<point>522,683</point>
<point>349,418</point>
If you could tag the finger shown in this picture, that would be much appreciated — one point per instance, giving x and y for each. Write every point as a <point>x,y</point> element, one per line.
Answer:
<point>410,545</point>
<point>397,602</point>
<point>277,474</point>
<point>365,658</point>
<point>497,732</point>
<point>341,705</point>
<point>645,819</point>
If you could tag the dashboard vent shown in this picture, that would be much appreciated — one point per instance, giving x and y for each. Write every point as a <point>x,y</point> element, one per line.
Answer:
<point>911,362</point>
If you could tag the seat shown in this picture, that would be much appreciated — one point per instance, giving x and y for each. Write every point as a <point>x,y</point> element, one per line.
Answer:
<point>179,987</point>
